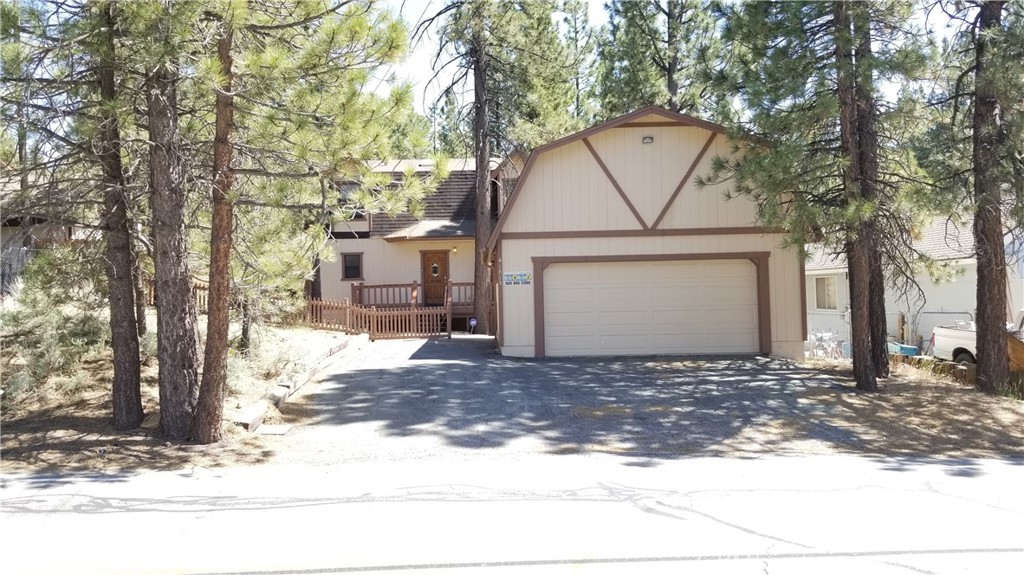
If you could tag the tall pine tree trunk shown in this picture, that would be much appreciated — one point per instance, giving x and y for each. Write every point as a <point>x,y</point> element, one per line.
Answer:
<point>858,247</point>
<point>208,426</point>
<point>673,16</point>
<point>481,140</point>
<point>867,141</point>
<point>175,303</point>
<point>140,291</point>
<point>993,361</point>
<point>127,395</point>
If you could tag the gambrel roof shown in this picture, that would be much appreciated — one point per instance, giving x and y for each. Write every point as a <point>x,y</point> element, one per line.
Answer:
<point>652,116</point>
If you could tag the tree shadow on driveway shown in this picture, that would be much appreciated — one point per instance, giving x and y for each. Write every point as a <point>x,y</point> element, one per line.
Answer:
<point>464,393</point>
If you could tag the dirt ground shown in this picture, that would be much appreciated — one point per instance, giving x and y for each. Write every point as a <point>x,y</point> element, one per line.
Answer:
<point>915,413</point>
<point>58,427</point>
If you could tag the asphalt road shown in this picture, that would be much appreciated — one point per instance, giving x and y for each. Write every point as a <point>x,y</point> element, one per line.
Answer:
<point>572,484</point>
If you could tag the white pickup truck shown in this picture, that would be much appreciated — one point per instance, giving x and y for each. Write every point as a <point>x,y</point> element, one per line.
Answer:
<point>958,342</point>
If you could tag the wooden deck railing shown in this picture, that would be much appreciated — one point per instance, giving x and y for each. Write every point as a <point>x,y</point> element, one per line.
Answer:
<point>407,295</point>
<point>386,323</point>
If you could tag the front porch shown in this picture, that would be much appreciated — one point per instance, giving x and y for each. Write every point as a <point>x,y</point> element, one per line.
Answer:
<point>415,295</point>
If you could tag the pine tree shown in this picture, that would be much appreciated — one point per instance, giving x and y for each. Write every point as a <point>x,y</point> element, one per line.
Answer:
<point>64,64</point>
<point>519,66</point>
<point>657,53</point>
<point>303,123</point>
<point>451,133</point>
<point>581,44</point>
<point>160,31</point>
<point>810,158</point>
<point>975,154</point>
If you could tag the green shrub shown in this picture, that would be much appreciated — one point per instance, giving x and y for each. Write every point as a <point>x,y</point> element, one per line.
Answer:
<point>67,275</point>
<point>49,340</point>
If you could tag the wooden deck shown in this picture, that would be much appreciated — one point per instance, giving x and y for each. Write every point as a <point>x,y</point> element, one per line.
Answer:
<point>410,295</point>
<point>393,311</point>
<point>380,323</point>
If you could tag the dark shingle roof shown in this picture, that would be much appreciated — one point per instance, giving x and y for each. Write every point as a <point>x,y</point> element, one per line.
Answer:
<point>454,201</point>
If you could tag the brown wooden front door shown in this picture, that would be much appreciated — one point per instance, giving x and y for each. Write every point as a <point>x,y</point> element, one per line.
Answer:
<point>435,277</point>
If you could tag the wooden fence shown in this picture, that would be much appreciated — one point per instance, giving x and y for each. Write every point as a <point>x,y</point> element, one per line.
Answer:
<point>200,292</point>
<point>386,323</point>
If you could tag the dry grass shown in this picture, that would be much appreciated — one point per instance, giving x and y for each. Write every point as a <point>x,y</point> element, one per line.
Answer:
<point>919,413</point>
<point>64,424</point>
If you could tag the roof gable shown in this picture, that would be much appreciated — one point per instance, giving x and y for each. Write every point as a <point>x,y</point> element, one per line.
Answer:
<point>650,117</point>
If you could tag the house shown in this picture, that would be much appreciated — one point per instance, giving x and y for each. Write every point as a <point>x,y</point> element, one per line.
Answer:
<point>22,234</point>
<point>911,319</point>
<point>404,261</point>
<point>607,246</point>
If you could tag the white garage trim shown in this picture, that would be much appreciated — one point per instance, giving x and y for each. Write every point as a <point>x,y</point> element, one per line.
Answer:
<point>759,259</point>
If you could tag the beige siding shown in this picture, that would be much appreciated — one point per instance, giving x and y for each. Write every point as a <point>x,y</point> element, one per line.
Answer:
<point>707,207</point>
<point>362,225</point>
<point>783,268</point>
<point>567,190</point>
<point>392,262</point>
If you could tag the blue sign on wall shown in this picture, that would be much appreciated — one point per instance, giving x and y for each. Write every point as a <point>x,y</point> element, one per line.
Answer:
<point>518,279</point>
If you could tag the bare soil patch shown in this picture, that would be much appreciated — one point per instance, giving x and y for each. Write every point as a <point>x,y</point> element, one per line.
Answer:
<point>64,424</point>
<point>917,413</point>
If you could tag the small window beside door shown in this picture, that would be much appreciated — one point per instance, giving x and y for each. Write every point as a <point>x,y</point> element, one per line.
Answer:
<point>351,267</point>
<point>825,293</point>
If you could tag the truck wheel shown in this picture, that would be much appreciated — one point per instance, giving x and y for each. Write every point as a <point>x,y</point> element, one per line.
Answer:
<point>964,358</point>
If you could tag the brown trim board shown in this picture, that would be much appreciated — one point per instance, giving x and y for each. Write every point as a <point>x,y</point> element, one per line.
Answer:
<point>686,178</point>
<point>615,183</point>
<point>651,125</point>
<point>803,296</point>
<point>674,117</point>
<point>764,304</point>
<point>639,233</point>
<point>499,309</point>
<point>759,259</point>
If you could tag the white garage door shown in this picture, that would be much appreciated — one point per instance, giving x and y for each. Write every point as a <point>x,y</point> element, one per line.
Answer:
<point>642,308</point>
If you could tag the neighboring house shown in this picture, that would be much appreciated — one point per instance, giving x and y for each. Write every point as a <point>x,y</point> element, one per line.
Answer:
<point>20,237</point>
<point>608,247</point>
<point>406,253</point>
<point>941,302</point>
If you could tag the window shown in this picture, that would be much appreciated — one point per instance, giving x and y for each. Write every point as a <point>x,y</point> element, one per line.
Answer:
<point>346,193</point>
<point>825,293</point>
<point>351,267</point>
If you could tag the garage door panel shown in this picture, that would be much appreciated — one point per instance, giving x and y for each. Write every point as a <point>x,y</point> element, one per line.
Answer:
<point>574,345</point>
<point>615,319</point>
<point>618,296</point>
<point>730,317</point>
<point>732,293</point>
<point>559,297</point>
<point>631,308</point>
<point>678,320</point>
<point>735,342</point>
<point>573,318</point>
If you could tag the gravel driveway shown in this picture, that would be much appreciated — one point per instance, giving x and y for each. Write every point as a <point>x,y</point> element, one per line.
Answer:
<point>410,399</point>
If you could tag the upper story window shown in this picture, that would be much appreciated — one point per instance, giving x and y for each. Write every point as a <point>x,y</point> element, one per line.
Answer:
<point>345,191</point>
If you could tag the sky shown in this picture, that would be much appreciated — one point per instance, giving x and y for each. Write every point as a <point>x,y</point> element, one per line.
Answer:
<point>418,66</point>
